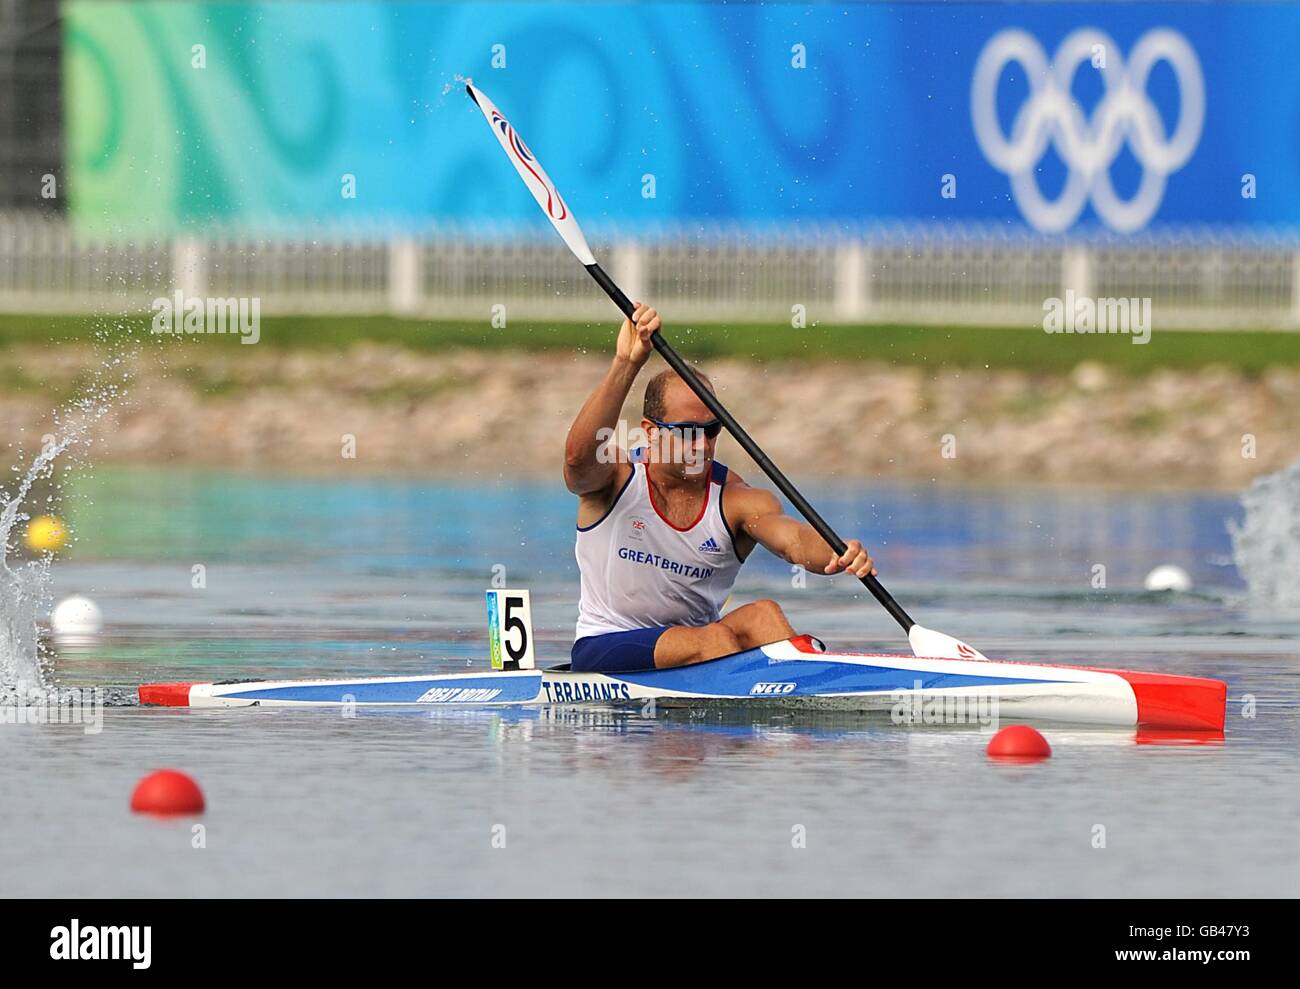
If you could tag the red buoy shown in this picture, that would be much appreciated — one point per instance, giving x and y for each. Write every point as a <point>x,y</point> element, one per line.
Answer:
<point>1019,743</point>
<point>167,791</point>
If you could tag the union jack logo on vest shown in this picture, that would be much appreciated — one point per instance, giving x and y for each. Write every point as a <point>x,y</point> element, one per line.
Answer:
<point>710,545</point>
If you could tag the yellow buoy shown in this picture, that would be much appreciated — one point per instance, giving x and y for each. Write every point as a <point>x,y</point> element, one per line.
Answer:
<point>46,533</point>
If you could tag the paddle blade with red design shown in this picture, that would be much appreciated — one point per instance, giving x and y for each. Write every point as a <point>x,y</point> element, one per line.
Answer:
<point>530,170</point>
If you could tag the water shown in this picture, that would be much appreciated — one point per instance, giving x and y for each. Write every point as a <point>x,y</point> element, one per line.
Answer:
<point>1266,543</point>
<point>25,583</point>
<point>312,576</point>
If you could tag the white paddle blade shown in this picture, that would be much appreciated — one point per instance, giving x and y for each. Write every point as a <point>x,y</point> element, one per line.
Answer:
<point>928,642</point>
<point>534,176</point>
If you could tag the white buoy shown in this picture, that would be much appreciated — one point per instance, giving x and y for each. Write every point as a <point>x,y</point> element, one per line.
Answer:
<point>76,615</point>
<point>1168,577</point>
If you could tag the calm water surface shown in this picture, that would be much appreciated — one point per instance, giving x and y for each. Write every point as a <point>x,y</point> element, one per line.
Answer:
<point>326,577</point>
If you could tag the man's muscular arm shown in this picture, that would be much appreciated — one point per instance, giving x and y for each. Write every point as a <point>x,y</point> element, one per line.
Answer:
<point>759,515</point>
<point>583,471</point>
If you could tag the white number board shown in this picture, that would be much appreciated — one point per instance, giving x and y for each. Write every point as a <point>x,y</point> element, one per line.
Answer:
<point>510,630</point>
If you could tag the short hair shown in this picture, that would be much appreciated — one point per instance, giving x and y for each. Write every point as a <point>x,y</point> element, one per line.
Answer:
<point>658,385</point>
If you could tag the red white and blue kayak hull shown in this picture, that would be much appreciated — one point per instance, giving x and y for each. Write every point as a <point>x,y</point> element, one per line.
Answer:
<point>786,674</point>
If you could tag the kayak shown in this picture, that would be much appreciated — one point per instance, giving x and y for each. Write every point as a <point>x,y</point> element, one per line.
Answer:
<point>796,673</point>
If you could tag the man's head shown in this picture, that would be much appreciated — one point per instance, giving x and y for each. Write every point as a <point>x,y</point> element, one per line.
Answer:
<point>683,446</point>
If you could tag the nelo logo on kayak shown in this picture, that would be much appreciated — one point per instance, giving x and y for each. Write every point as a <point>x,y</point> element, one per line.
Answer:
<point>772,689</point>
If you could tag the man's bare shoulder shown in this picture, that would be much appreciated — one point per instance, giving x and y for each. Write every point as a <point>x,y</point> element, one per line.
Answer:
<point>594,505</point>
<point>741,501</point>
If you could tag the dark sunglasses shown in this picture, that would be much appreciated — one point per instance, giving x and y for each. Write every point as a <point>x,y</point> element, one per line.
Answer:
<point>710,429</point>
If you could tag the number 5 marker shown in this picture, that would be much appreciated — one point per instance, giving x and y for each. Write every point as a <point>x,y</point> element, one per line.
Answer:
<point>510,630</point>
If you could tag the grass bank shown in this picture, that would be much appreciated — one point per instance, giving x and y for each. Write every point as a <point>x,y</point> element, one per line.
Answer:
<point>1248,351</point>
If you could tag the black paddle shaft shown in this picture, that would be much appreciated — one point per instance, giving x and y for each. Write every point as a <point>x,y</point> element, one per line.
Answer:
<point>747,443</point>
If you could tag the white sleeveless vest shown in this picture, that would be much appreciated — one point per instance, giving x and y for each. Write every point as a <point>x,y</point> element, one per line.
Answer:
<point>639,571</point>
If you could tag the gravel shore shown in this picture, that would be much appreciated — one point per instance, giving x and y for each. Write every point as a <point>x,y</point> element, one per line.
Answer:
<point>493,414</point>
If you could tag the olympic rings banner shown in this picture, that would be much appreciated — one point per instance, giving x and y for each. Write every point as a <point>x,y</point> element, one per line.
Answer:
<point>1050,118</point>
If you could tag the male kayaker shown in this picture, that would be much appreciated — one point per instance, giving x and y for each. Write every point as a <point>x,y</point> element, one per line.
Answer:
<point>662,532</point>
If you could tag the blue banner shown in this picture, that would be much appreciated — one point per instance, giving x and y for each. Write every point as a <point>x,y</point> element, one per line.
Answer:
<point>1046,117</point>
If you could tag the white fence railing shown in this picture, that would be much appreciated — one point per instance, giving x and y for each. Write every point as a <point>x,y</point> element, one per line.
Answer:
<point>915,275</point>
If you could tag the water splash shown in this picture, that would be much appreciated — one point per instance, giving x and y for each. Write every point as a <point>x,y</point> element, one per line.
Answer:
<point>1266,545</point>
<point>23,588</point>
<point>25,583</point>
<point>458,82</point>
